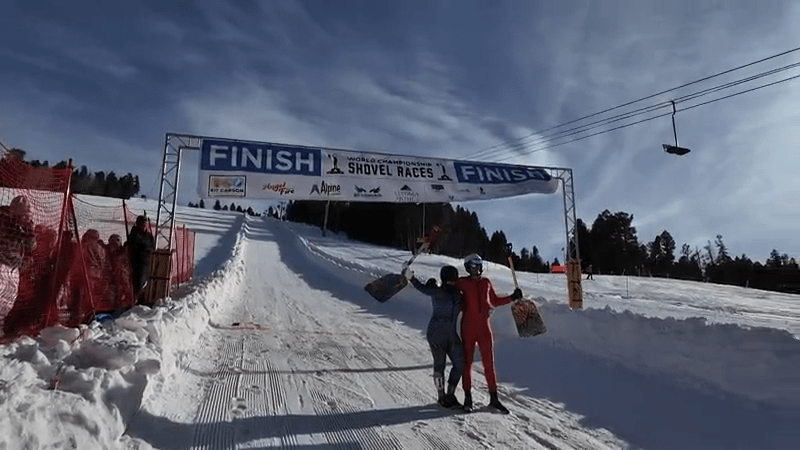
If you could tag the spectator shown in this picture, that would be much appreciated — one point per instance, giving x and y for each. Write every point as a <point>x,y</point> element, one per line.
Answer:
<point>17,241</point>
<point>120,275</point>
<point>140,244</point>
<point>17,238</point>
<point>33,297</point>
<point>98,267</point>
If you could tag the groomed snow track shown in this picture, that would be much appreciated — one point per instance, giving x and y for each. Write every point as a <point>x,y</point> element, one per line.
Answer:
<point>289,362</point>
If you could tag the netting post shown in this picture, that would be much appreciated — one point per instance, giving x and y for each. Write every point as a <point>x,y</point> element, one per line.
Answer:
<point>53,295</point>
<point>82,254</point>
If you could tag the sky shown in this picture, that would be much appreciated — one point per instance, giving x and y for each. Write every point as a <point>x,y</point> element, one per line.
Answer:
<point>103,84</point>
<point>275,343</point>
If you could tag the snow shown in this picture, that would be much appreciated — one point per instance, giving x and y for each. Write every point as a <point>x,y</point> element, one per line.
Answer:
<point>276,344</point>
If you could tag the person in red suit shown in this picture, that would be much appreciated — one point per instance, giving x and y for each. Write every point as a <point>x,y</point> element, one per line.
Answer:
<point>478,300</point>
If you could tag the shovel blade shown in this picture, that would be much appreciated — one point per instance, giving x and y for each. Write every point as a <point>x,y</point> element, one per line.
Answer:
<point>385,287</point>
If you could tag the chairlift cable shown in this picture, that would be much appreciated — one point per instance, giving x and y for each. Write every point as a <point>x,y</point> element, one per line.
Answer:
<point>517,141</point>
<point>596,124</point>
<point>542,142</point>
<point>649,118</point>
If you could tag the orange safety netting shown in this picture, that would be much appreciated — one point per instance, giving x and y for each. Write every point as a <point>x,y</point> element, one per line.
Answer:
<point>63,259</point>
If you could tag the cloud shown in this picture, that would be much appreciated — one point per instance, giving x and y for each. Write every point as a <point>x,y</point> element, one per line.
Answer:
<point>426,78</point>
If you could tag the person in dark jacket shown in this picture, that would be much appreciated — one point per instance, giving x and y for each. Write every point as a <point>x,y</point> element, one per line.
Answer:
<point>442,334</point>
<point>140,244</point>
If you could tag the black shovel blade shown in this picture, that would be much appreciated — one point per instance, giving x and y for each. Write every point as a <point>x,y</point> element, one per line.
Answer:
<point>386,287</point>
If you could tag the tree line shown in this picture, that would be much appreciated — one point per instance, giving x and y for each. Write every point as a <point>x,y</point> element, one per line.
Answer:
<point>220,207</point>
<point>609,246</point>
<point>87,182</point>
<point>400,225</point>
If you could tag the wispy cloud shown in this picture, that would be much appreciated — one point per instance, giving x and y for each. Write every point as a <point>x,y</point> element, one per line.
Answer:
<point>432,78</point>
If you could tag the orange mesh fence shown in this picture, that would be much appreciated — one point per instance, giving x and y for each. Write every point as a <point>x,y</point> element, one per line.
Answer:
<point>110,276</point>
<point>33,215</point>
<point>102,223</point>
<point>63,258</point>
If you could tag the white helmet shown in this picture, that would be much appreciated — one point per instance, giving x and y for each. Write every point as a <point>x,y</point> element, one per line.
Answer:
<point>474,264</point>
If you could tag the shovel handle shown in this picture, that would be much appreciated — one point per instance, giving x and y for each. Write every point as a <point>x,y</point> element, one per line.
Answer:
<point>513,273</point>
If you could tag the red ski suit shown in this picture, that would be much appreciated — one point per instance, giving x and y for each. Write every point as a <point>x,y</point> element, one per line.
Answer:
<point>477,300</point>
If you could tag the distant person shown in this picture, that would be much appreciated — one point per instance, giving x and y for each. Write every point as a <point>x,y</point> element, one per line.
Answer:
<point>17,242</point>
<point>589,273</point>
<point>478,299</point>
<point>98,269</point>
<point>17,235</point>
<point>442,333</point>
<point>95,253</point>
<point>140,245</point>
<point>120,272</point>
<point>34,298</point>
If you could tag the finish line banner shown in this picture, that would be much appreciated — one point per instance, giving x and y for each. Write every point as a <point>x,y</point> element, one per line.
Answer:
<point>256,170</point>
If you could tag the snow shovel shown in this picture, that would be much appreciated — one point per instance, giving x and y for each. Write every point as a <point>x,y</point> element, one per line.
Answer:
<point>385,287</point>
<point>526,314</point>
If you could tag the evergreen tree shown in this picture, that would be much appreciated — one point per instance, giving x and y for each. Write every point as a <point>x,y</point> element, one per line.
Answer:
<point>661,254</point>
<point>615,247</point>
<point>722,251</point>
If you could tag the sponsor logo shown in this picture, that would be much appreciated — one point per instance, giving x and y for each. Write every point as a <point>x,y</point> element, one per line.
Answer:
<point>437,187</point>
<point>335,170</point>
<point>368,193</point>
<point>227,185</point>
<point>281,188</point>
<point>236,156</point>
<point>328,190</point>
<point>444,176</point>
<point>478,173</point>
<point>406,194</point>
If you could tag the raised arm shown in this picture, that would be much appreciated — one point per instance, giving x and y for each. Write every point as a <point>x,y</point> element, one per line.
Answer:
<point>497,300</point>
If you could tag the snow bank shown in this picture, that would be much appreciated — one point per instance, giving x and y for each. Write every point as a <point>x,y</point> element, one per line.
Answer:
<point>760,363</point>
<point>83,385</point>
<point>756,362</point>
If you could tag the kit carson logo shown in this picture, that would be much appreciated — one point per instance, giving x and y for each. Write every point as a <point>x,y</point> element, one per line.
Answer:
<point>226,185</point>
<point>368,193</point>
<point>328,190</point>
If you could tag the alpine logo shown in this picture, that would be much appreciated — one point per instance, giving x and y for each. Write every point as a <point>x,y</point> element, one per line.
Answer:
<point>368,193</point>
<point>326,189</point>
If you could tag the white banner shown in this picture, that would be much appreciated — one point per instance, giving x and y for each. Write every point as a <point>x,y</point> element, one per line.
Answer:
<point>257,170</point>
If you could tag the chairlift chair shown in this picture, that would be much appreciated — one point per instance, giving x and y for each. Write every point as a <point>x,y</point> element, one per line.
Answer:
<point>674,149</point>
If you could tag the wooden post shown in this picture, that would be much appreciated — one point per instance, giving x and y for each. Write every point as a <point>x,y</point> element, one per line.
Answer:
<point>574,284</point>
<point>160,268</point>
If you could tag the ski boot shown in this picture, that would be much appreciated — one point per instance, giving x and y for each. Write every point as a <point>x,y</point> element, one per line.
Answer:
<point>467,402</point>
<point>438,380</point>
<point>494,402</point>
<point>450,400</point>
